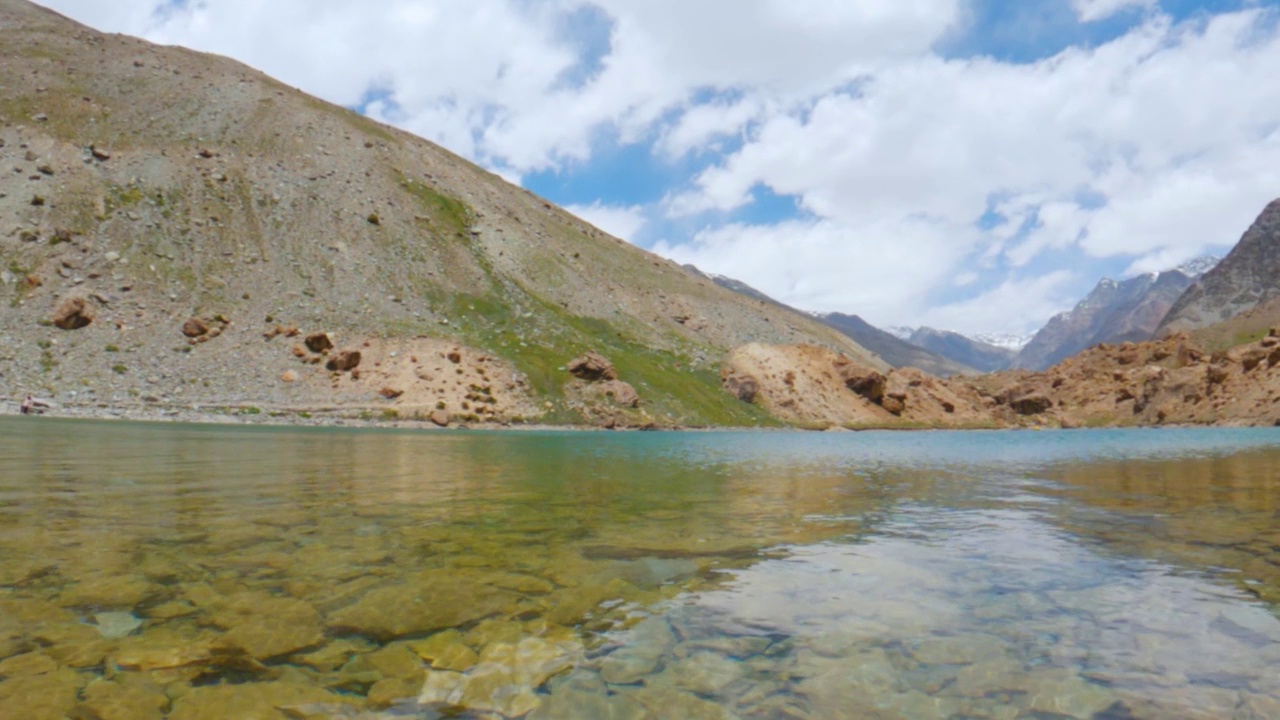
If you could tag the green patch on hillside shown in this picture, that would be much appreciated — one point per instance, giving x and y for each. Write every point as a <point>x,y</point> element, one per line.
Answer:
<point>449,216</point>
<point>540,339</point>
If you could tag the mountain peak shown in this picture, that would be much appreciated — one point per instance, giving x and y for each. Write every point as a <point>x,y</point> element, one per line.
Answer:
<point>1249,276</point>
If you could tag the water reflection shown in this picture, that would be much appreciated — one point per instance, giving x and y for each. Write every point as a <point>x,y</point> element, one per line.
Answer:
<point>165,571</point>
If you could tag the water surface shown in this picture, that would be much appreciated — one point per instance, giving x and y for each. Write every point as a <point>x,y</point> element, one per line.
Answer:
<point>152,571</point>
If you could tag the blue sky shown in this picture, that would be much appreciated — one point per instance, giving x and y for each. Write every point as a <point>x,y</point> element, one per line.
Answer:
<point>975,165</point>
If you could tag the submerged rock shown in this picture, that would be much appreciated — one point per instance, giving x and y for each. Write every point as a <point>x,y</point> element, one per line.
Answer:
<point>259,701</point>
<point>421,604</point>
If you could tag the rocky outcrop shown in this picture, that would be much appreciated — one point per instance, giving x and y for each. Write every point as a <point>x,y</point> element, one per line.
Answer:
<point>592,367</point>
<point>73,314</point>
<point>1170,381</point>
<point>813,386</point>
<point>1247,278</point>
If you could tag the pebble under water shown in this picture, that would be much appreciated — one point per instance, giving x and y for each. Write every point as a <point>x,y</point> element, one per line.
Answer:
<point>202,573</point>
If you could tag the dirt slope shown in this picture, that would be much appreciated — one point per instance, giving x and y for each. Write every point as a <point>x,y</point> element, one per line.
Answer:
<point>158,185</point>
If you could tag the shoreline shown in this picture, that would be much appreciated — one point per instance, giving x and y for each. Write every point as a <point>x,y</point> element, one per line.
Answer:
<point>359,417</point>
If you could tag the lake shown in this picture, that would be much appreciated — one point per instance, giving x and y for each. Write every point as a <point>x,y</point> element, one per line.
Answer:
<point>192,572</point>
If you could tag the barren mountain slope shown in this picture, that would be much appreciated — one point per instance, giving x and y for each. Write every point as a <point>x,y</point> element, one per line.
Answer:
<point>1248,277</point>
<point>159,184</point>
<point>1125,311</point>
<point>985,357</point>
<point>894,350</point>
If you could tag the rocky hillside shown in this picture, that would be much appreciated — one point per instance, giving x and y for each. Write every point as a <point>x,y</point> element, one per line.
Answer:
<point>1126,311</point>
<point>1171,381</point>
<point>965,350</point>
<point>896,351</point>
<point>1247,278</point>
<point>180,230</point>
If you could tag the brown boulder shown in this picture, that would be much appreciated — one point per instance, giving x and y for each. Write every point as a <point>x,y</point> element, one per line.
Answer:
<point>743,387</point>
<point>1216,374</point>
<point>344,361</point>
<point>390,393</point>
<point>620,393</point>
<point>194,328</point>
<point>319,342</point>
<point>1253,357</point>
<point>864,381</point>
<point>72,314</point>
<point>592,367</point>
<point>896,404</point>
<point>1031,404</point>
<point>440,417</point>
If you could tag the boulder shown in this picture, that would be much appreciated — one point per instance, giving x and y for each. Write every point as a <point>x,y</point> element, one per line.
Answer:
<point>390,393</point>
<point>621,393</point>
<point>743,387</point>
<point>344,361</point>
<point>863,381</point>
<point>440,417</point>
<point>72,314</point>
<point>896,404</point>
<point>1031,404</point>
<point>1253,357</point>
<point>194,328</point>
<point>319,342</point>
<point>592,367</point>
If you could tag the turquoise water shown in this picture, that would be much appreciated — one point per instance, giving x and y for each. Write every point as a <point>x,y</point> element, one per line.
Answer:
<point>208,572</point>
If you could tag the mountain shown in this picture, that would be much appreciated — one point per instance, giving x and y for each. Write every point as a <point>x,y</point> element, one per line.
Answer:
<point>1114,312</point>
<point>174,225</point>
<point>1248,277</point>
<point>896,351</point>
<point>983,356</point>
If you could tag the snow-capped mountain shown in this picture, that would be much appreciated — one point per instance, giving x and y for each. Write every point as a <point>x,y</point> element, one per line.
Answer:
<point>1008,341</point>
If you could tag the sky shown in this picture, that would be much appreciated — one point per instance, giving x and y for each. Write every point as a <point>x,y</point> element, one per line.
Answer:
<point>973,165</point>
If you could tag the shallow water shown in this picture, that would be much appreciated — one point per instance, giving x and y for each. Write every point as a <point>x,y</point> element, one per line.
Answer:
<point>151,571</point>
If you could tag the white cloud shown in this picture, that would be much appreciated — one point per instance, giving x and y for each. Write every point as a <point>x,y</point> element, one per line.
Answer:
<point>1040,296</point>
<point>621,222</point>
<point>1094,10</point>
<point>875,270</point>
<point>1170,131</point>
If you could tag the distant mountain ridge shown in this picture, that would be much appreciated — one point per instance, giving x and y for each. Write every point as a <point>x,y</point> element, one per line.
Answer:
<point>960,348</point>
<point>896,351</point>
<point>1115,311</point>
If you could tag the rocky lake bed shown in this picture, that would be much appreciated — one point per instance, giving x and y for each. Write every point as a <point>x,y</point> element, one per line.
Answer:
<point>173,571</point>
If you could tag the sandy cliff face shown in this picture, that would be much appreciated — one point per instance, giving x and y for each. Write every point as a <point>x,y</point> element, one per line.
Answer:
<point>155,185</point>
<point>815,387</point>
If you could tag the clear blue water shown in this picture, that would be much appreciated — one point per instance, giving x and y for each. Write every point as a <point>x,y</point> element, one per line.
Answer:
<point>229,572</point>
